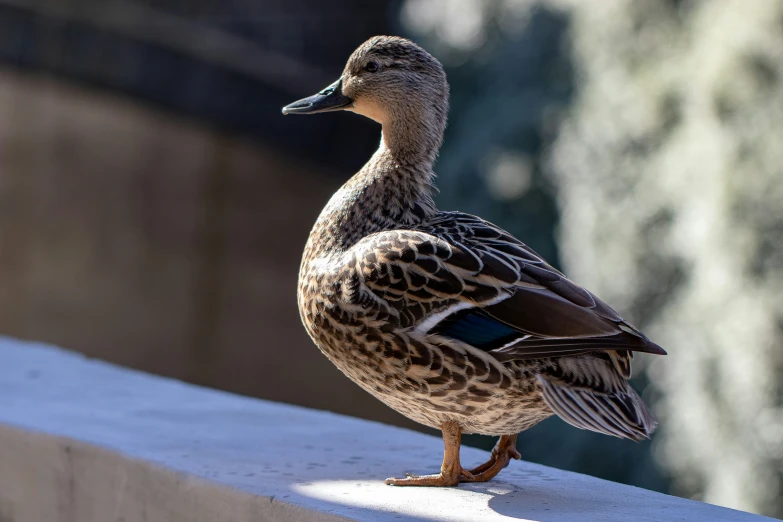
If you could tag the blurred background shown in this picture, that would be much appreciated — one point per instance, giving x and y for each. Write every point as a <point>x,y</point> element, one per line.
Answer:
<point>154,203</point>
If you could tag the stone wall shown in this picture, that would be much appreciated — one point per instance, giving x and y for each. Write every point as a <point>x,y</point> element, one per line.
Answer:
<point>85,441</point>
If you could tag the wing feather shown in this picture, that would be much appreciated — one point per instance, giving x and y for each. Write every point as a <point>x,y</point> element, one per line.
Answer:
<point>457,259</point>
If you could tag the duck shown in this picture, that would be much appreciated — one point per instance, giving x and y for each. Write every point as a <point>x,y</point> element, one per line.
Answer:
<point>441,315</point>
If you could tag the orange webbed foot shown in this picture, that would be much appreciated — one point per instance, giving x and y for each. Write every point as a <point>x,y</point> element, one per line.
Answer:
<point>502,453</point>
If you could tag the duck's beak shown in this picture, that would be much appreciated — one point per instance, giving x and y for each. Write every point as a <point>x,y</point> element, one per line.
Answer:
<point>330,99</point>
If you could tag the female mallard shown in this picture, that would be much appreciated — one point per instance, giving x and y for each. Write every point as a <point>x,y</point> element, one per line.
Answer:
<point>443,316</point>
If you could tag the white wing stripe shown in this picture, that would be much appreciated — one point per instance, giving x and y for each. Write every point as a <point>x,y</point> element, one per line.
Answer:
<point>435,319</point>
<point>432,321</point>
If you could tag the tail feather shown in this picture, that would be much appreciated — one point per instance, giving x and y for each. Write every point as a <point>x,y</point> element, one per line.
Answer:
<point>619,413</point>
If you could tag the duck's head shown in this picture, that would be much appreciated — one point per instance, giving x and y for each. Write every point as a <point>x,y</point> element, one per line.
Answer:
<point>392,81</point>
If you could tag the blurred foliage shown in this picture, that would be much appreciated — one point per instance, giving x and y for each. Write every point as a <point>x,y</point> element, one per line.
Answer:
<point>671,166</point>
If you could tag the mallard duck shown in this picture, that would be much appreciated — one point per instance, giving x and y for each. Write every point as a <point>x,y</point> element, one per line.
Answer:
<point>443,316</point>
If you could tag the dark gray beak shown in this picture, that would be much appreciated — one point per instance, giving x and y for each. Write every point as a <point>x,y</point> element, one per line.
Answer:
<point>330,99</point>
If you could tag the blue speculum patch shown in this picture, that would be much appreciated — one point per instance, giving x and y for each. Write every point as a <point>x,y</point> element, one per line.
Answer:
<point>478,329</point>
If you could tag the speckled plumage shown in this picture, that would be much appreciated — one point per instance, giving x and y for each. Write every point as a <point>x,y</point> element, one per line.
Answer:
<point>443,316</point>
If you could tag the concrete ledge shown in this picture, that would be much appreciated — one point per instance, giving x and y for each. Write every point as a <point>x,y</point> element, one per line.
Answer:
<point>85,441</point>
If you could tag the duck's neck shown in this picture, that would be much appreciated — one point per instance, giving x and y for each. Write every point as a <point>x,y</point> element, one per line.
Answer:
<point>413,135</point>
<point>386,194</point>
<point>393,190</point>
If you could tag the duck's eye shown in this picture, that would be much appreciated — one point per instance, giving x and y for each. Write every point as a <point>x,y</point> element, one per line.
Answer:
<point>372,67</point>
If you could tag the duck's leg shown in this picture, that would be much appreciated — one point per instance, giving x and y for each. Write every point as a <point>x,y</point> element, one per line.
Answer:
<point>502,453</point>
<point>451,473</point>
